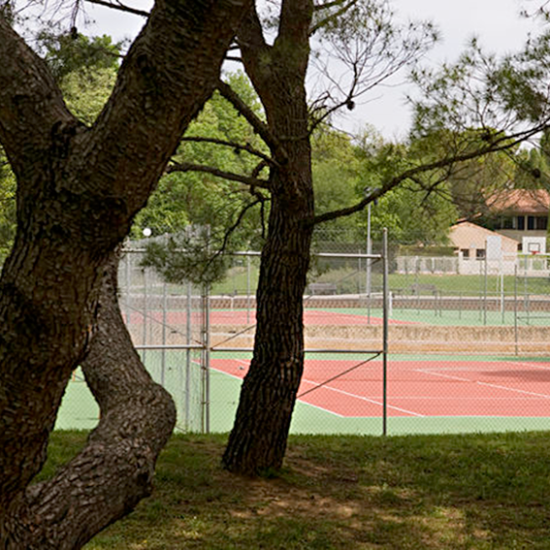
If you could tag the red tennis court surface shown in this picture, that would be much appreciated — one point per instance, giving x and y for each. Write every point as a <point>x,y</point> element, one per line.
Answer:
<point>429,388</point>
<point>241,317</point>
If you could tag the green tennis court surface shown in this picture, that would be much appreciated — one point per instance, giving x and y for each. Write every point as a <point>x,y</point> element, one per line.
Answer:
<point>426,394</point>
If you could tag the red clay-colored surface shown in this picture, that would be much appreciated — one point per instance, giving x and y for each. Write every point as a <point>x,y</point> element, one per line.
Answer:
<point>428,388</point>
<point>240,317</point>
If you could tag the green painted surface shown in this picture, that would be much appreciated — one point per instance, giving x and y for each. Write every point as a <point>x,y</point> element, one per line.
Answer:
<point>79,411</point>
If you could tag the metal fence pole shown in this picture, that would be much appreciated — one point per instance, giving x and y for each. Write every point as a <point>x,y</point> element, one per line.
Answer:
<point>163,356</point>
<point>188,359</point>
<point>248,290</point>
<point>416,284</point>
<point>385,333</point>
<point>128,280</point>
<point>145,312</point>
<point>368,263</point>
<point>516,308</point>
<point>485,292</point>
<point>206,360</point>
<point>502,293</point>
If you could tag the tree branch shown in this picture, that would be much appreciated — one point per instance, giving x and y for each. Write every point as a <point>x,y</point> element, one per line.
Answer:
<point>257,124</point>
<point>189,167</point>
<point>259,200</point>
<point>328,5</point>
<point>248,148</point>
<point>162,84</point>
<point>115,469</point>
<point>120,7</point>
<point>347,4</point>
<point>31,103</point>
<point>500,144</point>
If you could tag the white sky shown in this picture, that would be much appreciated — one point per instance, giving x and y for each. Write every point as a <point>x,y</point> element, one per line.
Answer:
<point>496,23</point>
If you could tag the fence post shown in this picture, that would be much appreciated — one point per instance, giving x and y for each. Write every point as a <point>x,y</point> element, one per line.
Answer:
<point>206,359</point>
<point>145,313</point>
<point>385,334</point>
<point>485,292</point>
<point>516,307</point>
<point>247,290</point>
<point>163,356</point>
<point>188,359</point>
<point>128,295</point>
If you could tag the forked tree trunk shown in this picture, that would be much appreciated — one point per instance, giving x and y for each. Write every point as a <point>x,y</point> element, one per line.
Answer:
<point>78,190</point>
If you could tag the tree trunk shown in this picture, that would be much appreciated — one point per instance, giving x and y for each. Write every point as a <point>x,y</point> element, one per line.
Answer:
<point>78,189</point>
<point>258,439</point>
<point>259,436</point>
<point>115,469</point>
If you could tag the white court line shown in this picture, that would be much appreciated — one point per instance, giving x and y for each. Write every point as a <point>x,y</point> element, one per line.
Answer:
<point>491,363</point>
<point>460,378</point>
<point>489,385</point>
<point>362,398</point>
<point>305,402</point>
<point>328,410</point>
<point>447,398</point>
<point>349,395</point>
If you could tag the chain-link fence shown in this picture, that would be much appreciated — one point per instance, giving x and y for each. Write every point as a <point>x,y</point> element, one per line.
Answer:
<point>469,348</point>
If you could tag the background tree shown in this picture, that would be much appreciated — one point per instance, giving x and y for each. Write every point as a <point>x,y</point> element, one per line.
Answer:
<point>362,35</point>
<point>78,190</point>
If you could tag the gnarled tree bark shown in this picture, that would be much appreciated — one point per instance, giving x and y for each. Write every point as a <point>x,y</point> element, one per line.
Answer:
<point>137,418</point>
<point>78,191</point>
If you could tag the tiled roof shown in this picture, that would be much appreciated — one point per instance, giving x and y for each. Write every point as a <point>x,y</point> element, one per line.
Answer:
<point>520,201</point>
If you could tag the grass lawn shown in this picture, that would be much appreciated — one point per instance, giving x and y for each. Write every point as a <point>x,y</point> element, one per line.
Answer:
<point>415,492</point>
<point>353,281</point>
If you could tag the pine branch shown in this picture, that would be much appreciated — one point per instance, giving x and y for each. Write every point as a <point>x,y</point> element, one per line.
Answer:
<point>120,7</point>
<point>503,143</point>
<point>259,126</point>
<point>189,167</point>
<point>328,5</point>
<point>249,149</point>
<point>231,229</point>
<point>333,16</point>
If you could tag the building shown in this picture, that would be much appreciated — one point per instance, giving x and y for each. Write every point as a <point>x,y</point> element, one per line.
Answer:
<point>519,213</point>
<point>470,241</point>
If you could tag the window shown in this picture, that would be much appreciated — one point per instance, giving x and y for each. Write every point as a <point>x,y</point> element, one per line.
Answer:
<point>480,253</point>
<point>520,223</point>
<point>530,223</point>
<point>507,223</point>
<point>465,253</point>
<point>541,223</point>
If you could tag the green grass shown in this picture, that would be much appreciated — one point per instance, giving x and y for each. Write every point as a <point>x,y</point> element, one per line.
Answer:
<point>344,492</point>
<point>351,280</point>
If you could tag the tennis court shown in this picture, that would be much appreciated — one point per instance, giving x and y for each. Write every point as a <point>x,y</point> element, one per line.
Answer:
<point>335,317</point>
<point>425,394</point>
<point>421,388</point>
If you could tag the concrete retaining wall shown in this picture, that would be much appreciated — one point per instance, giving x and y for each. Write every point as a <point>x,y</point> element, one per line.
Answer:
<point>402,338</point>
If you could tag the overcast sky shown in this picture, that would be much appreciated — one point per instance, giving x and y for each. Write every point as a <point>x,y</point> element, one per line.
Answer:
<point>496,23</point>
